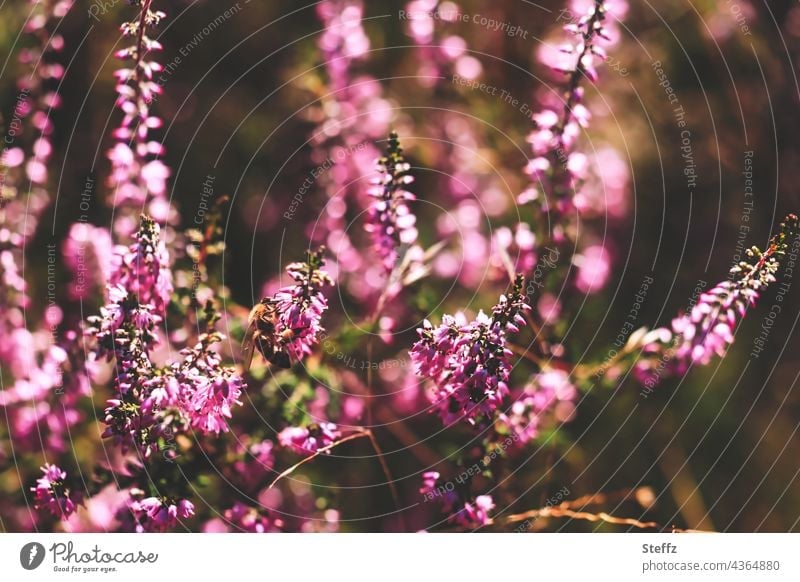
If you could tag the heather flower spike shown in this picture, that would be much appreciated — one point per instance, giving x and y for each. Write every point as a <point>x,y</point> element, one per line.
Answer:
<point>390,220</point>
<point>143,268</point>
<point>138,175</point>
<point>469,362</point>
<point>708,329</point>
<point>556,167</point>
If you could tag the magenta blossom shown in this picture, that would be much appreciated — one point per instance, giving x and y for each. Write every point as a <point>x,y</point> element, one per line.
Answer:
<point>390,221</point>
<point>549,395</point>
<point>143,269</point>
<point>594,269</point>
<point>474,513</point>
<point>462,511</point>
<point>300,306</point>
<point>556,168</point>
<point>211,404</point>
<point>138,176</point>
<point>250,519</point>
<point>309,439</point>
<point>708,329</point>
<point>158,514</point>
<point>52,493</point>
<point>469,362</point>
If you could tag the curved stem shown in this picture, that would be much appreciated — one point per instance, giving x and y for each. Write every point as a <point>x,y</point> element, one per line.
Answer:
<point>389,479</point>
<point>362,433</point>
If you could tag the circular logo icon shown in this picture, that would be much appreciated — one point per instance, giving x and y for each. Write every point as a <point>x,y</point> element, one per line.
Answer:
<point>31,555</point>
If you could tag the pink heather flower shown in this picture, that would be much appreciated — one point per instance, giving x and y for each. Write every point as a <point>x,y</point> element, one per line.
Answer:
<point>594,269</point>
<point>549,394</point>
<point>429,479</point>
<point>469,362</point>
<point>138,293</point>
<point>309,439</point>
<point>343,39</point>
<point>257,462</point>
<point>475,513</point>
<point>466,514</point>
<point>353,114</point>
<point>124,330</point>
<point>143,269</point>
<point>250,519</point>
<point>129,426</point>
<point>137,175</point>
<point>52,493</point>
<point>87,253</point>
<point>197,391</point>
<point>444,494</point>
<point>708,329</point>
<point>548,308</point>
<point>390,221</point>
<point>556,169</point>
<point>159,514</point>
<point>437,51</point>
<point>39,96</point>
<point>300,306</point>
<point>513,251</point>
<point>209,404</point>
<point>50,381</point>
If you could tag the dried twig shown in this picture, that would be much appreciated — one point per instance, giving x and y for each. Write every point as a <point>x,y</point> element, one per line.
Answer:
<point>388,475</point>
<point>567,509</point>
<point>559,511</point>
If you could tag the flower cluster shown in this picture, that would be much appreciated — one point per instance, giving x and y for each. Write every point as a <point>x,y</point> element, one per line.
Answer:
<point>142,269</point>
<point>206,390</point>
<point>343,39</point>
<point>24,157</point>
<point>37,94</point>
<point>300,306</point>
<point>157,513</point>
<point>138,176</point>
<point>390,220</point>
<point>309,439</point>
<point>152,401</point>
<point>52,493</point>
<point>196,392</point>
<point>549,394</point>
<point>469,361</point>
<point>470,513</point>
